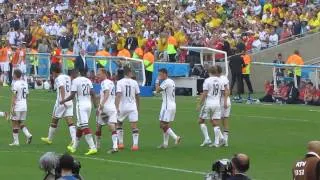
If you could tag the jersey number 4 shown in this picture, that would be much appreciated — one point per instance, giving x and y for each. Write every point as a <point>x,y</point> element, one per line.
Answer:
<point>86,89</point>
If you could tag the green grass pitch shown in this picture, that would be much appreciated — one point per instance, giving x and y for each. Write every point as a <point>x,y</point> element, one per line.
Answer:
<point>273,136</point>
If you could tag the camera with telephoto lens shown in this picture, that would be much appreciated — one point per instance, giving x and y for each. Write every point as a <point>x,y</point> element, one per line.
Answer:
<point>221,170</point>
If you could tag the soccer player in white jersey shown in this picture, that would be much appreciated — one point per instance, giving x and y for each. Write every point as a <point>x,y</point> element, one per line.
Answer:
<point>225,110</point>
<point>107,112</point>
<point>19,108</point>
<point>63,85</point>
<point>168,108</point>
<point>127,104</point>
<point>81,88</point>
<point>210,107</point>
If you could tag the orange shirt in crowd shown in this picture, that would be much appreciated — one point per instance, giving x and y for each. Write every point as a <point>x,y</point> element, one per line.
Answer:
<point>3,54</point>
<point>55,56</point>
<point>124,53</point>
<point>149,57</point>
<point>102,53</point>
<point>295,59</point>
<point>15,57</point>
<point>172,40</point>
<point>139,52</point>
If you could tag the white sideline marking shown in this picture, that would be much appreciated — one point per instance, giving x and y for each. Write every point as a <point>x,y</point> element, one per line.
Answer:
<point>312,110</point>
<point>119,162</point>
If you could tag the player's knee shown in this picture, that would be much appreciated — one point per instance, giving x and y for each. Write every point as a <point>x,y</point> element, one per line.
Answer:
<point>86,131</point>
<point>79,133</point>
<point>22,126</point>
<point>119,124</point>
<point>98,133</point>
<point>54,125</point>
<point>15,130</point>
<point>201,121</point>
<point>133,125</point>
<point>135,131</point>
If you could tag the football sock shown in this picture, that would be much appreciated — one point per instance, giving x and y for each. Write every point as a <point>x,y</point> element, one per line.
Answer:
<point>26,131</point>
<point>72,130</point>
<point>78,137</point>
<point>98,138</point>
<point>114,138</point>
<point>135,136</point>
<point>172,134</point>
<point>90,141</point>
<point>204,130</point>
<point>120,135</point>
<point>88,137</point>
<point>15,135</point>
<point>226,135</point>
<point>165,138</point>
<point>217,134</point>
<point>52,130</point>
<point>1,114</point>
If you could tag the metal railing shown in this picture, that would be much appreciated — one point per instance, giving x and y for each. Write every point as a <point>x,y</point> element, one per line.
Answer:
<point>112,64</point>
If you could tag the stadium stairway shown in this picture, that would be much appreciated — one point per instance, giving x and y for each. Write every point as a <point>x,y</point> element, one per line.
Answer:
<point>309,49</point>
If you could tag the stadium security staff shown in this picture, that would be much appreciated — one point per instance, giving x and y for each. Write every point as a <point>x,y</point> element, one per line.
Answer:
<point>236,64</point>
<point>148,60</point>
<point>295,59</point>
<point>240,165</point>
<point>246,72</point>
<point>309,167</point>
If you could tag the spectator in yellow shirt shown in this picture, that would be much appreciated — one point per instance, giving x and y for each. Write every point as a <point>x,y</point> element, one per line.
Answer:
<point>121,41</point>
<point>215,21</point>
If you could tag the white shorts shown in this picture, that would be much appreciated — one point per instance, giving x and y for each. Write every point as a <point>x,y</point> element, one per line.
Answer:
<point>167,115</point>
<point>19,116</point>
<point>210,112</point>
<point>132,115</point>
<point>225,113</point>
<point>61,111</point>
<point>83,116</point>
<point>4,66</point>
<point>109,117</point>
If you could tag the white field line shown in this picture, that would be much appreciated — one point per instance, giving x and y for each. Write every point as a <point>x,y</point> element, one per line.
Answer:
<point>188,110</point>
<point>119,162</point>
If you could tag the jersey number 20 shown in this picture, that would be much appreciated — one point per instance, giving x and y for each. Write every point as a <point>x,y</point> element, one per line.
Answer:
<point>86,89</point>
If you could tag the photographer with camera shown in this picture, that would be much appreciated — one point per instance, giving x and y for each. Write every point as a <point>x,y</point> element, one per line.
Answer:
<point>66,167</point>
<point>60,167</point>
<point>240,165</point>
<point>234,169</point>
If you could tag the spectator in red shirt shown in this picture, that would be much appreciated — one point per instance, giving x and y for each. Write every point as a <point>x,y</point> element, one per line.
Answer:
<point>151,43</point>
<point>268,89</point>
<point>282,94</point>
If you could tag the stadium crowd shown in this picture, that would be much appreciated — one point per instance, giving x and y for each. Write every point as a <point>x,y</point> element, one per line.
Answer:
<point>160,27</point>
